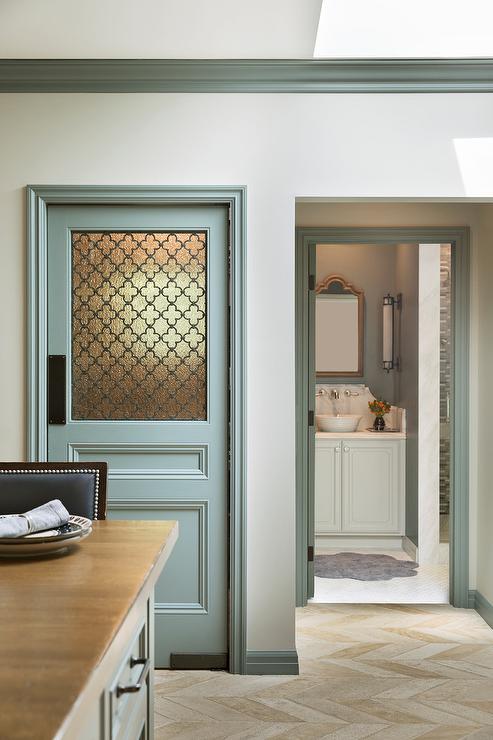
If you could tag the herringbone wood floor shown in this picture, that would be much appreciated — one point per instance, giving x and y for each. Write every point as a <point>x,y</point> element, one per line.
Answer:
<point>366,671</point>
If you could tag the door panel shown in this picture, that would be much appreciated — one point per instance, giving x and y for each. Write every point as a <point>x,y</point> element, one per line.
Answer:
<point>138,302</point>
<point>327,486</point>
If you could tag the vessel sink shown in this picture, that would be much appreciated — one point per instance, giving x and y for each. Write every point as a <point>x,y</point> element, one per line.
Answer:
<point>338,423</point>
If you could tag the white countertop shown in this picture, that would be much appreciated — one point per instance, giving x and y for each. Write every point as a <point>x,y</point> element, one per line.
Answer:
<point>360,435</point>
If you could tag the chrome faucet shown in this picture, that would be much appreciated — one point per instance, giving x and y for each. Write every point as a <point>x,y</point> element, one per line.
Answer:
<point>335,394</point>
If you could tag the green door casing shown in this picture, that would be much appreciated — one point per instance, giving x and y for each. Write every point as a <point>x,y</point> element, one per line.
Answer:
<point>138,304</point>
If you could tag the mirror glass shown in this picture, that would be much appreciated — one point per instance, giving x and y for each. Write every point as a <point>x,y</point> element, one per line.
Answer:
<point>339,328</point>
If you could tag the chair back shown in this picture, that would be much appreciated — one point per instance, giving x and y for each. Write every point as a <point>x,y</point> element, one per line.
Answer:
<point>81,487</point>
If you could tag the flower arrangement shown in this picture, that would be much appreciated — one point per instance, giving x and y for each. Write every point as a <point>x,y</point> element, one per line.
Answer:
<point>379,407</point>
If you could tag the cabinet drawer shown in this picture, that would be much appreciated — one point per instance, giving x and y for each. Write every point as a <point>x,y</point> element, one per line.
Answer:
<point>129,690</point>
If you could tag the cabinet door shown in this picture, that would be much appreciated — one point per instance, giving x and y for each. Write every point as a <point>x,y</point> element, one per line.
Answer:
<point>327,486</point>
<point>370,486</point>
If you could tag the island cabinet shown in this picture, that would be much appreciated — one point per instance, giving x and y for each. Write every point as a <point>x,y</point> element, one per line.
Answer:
<point>359,485</point>
<point>77,636</point>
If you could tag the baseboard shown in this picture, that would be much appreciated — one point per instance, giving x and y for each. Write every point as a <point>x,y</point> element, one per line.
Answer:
<point>410,548</point>
<point>272,663</point>
<point>482,606</point>
<point>383,542</point>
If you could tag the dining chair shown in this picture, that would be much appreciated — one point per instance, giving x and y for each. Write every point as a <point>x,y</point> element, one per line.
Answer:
<point>81,487</point>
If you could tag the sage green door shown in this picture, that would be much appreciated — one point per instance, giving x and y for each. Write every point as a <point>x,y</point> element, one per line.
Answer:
<point>138,305</point>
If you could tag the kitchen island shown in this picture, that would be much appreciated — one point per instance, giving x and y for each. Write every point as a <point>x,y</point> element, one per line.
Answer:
<point>77,636</point>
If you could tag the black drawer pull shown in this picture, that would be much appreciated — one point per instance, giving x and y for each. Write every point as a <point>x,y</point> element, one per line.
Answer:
<point>133,688</point>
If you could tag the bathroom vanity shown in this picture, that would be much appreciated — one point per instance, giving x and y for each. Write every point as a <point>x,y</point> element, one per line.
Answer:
<point>360,482</point>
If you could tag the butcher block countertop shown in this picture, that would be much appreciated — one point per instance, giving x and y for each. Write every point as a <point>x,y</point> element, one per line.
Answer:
<point>60,614</point>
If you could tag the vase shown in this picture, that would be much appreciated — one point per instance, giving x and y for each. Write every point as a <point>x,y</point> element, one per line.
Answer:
<point>379,424</point>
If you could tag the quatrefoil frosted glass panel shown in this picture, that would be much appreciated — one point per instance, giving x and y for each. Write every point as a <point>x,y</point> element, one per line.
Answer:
<point>139,318</point>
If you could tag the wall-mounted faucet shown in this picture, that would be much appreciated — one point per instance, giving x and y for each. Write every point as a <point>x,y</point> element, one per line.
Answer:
<point>335,394</point>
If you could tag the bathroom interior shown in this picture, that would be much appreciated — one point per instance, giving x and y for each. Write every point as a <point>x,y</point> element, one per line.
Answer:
<point>382,470</point>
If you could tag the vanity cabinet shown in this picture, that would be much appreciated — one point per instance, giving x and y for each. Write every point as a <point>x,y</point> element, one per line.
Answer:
<point>359,486</point>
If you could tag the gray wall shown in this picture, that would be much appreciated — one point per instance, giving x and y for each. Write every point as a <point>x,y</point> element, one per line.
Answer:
<point>370,267</point>
<point>406,379</point>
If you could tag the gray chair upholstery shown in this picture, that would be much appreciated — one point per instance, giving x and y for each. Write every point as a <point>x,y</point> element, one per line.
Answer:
<point>81,487</point>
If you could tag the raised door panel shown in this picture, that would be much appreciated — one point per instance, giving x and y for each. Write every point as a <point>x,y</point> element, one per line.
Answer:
<point>327,486</point>
<point>370,487</point>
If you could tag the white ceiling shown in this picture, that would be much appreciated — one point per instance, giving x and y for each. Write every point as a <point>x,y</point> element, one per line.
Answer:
<point>158,28</point>
<point>394,28</point>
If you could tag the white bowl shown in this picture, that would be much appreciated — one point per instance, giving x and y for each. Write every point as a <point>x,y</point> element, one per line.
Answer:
<point>338,423</point>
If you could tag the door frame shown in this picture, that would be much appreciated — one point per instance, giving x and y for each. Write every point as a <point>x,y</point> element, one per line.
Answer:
<point>39,197</point>
<point>308,237</point>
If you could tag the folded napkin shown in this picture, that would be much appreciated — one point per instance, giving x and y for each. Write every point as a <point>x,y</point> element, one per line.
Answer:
<point>48,516</point>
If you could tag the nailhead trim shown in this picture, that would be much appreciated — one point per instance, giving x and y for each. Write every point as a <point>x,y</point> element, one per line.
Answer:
<point>65,470</point>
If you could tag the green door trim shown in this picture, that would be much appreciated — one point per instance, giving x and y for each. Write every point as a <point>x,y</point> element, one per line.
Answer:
<point>39,197</point>
<point>307,238</point>
<point>247,75</point>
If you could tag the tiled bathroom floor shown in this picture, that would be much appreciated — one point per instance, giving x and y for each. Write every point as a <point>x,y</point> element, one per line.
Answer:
<point>430,586</point>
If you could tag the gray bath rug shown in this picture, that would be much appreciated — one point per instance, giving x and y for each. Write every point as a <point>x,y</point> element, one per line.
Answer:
<point>363,567</point>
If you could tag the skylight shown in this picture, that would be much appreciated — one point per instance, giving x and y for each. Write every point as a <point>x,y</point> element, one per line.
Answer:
<point>415,28</point>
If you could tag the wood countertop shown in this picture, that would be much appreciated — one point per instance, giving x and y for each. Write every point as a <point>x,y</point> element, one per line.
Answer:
<point>59,615</point>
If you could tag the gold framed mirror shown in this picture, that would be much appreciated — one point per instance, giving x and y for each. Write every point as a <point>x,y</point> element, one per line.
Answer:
<point>339,328</point>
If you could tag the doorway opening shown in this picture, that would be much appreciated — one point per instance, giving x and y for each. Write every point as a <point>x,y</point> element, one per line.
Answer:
<point>380,328</point>
<point>370,504</point>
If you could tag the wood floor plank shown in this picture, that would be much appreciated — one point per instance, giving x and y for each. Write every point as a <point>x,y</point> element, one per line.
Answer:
<point>385,671</point>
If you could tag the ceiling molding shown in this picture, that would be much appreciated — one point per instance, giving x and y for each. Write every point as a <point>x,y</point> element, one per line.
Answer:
<point>247,75</point>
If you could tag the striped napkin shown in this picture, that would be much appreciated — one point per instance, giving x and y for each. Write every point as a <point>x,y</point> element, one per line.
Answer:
<point>48,516</point>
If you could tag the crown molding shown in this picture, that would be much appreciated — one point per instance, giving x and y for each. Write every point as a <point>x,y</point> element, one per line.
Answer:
<point>247,75</point>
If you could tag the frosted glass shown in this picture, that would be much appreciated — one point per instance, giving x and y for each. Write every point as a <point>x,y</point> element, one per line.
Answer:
<point>139,325</point>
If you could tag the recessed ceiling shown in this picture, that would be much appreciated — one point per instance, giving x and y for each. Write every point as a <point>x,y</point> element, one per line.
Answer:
<point>394,28</point>
<point>157,29</point>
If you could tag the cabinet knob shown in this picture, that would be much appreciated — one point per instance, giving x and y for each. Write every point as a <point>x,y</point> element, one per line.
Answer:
<point>346,449</point>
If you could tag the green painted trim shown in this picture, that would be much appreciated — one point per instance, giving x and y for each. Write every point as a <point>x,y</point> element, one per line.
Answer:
<point>272,663</point>
<point>471,601</point>
<point>306,237</point>
<point>39,197</point>
<point>482,606</point>
<point>247,75</point>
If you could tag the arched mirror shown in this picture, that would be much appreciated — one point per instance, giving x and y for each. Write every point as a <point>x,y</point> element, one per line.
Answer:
<point>339,328</point>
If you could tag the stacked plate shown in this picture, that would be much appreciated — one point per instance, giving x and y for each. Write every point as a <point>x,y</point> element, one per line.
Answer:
<point>47,541</point>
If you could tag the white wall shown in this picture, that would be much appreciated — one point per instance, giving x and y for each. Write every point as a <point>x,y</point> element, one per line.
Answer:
<point>281,147</point>
<point>162,29</point>
<point>429,404</point>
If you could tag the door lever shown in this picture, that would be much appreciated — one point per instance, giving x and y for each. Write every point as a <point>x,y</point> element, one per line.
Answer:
<point>57,386</point>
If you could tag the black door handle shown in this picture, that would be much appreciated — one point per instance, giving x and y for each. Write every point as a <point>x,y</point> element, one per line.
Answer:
<point>57,386</point>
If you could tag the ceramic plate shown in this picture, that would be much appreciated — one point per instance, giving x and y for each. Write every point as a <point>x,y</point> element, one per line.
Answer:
<point>47,541</point>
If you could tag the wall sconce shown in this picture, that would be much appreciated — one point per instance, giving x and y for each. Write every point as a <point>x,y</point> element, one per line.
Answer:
<point>389,359</point>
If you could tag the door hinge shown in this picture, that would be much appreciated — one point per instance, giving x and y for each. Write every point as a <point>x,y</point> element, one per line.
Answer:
<point>311,418</point>
<point>311,282</point>
<point>310,553</point>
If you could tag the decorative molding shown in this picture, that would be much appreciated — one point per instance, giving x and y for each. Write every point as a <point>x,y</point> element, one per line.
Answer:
<point>272,663</point>
<point>306,240</point>
<point>201,506</point>
<point>201,451</point>
<point>39,197</point>
<point>482,605</point>
<point>247,75</point>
